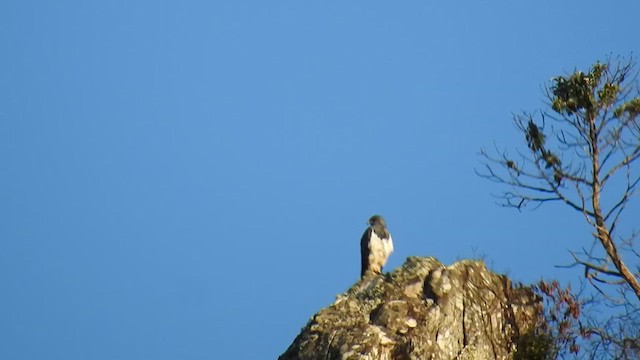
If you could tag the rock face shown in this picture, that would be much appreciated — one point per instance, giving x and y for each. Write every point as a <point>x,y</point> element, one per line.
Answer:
<point>423,310</point>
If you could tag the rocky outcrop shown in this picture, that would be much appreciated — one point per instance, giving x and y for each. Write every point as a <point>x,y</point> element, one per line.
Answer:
<point>423,310</point>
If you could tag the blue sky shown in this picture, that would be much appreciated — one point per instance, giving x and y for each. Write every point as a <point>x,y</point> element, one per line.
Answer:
<point>190,180</point>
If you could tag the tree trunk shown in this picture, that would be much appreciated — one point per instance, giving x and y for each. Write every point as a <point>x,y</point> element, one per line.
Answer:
<point>602,231</point>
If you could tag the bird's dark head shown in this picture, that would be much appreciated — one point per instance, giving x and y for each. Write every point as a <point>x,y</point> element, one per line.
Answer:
<point>377,220</point>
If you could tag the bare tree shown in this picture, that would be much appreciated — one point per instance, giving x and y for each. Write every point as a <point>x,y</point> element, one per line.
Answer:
<point>584,153</point>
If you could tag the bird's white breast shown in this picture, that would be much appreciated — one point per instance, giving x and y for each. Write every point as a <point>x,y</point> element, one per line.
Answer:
<point>380,248</point>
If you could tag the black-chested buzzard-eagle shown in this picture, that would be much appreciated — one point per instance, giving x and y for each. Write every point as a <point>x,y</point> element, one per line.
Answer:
<point>375,246</point>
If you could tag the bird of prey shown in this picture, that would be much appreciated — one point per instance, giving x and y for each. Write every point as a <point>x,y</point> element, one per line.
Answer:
<point>375,246</point>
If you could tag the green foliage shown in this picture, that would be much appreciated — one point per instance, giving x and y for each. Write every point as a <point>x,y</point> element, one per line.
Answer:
<point>631,109</point>
<point>580,91</point>
<point>572,94</point>
<point>608,94</point>
<point>536,141</point>
<point>550,159</point>
<point>535,137</point>
<point>534,346</point>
